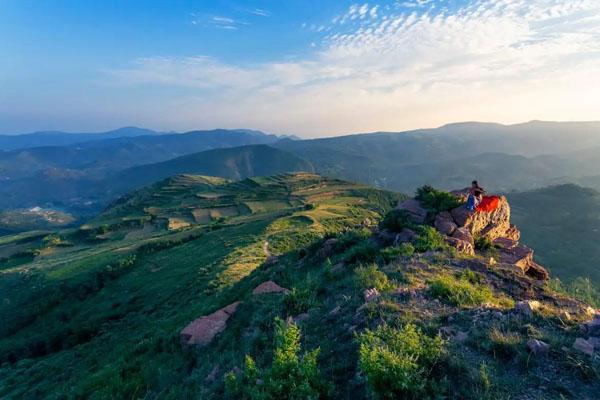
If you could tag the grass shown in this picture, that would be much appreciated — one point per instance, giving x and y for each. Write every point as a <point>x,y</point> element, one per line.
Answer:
<point>459,292</point>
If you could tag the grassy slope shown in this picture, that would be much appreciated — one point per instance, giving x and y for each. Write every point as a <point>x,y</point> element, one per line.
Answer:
<point>103,315</point>
<point>562,224</point>
<point>113,332</point>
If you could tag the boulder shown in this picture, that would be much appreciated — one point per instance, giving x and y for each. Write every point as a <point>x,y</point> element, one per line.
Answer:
<point>593,327</point>
<point>537,347</point>
<point>520,256</point>
<point>269,287</point>
<point>584,346</point>
<point>461,246</point>
<point>464,235</point>
<point>485,224</point>
<point>370,294</point>
<point>415,212</point>
<point>405,236</point>
<point>327,249</point>
<point>444,223</point>
<point>513,233</point>
<point>203,330</point>
<point>527,307</point>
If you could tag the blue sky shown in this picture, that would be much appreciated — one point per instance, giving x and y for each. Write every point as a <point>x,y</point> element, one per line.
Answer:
<point>300,66</point>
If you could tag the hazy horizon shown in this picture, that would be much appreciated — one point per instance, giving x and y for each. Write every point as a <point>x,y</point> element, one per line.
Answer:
<point>303,67</point>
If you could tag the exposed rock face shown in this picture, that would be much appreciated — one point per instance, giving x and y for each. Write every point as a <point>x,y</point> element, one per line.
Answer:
<point>204,329</point>
<point>444,223</point>
<point>461,246</point>
<point>269,287</point>
<point>491,225</point>
<point>461,227</point>
<point>416,213</point>
<point>527,307</point>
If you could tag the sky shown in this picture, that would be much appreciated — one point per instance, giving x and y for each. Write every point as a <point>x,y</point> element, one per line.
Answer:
<point>305,67</point>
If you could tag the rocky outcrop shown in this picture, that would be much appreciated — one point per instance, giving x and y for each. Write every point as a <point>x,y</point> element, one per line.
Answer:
<point>461,226</point>
<point>269,287</point>
<point>490,225</point>
<point>203,330</point>
<point>414,211</point>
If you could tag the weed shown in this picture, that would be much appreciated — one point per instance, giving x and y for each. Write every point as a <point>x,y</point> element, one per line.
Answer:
<point>436,201</point>
<point>391,253</point>
<point>459,291</point>
<point>429,239</point>
<point>395,221</point>
<point>398,362</point>
<point>371,277</point>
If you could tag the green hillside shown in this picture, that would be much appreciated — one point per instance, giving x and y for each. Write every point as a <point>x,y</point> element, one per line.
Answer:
<point>563,224</point>
<point>99,312</point>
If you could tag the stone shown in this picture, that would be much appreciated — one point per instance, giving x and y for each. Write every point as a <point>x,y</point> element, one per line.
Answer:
<point>505,243</point>
<point>452,333</point>
<point>444,223</point>
<point>461,246</point>
<point>269,287</point>
<point>583,346</point>
<point>565,316</point>
<point>370,294</point>
<point>594,341</point>
<point>405,236</point>
<point>335,311</point>
<point>513,233</point>
<point>537,347</point>
<point>593,327</point>
<point>203,330</point>
<point>464,235</point>
<point>485,224</point>
<point>300,317</point>
<point>327,249</point>
<point>522,257</point>
<point>415,212</point>
<point>527,307</point>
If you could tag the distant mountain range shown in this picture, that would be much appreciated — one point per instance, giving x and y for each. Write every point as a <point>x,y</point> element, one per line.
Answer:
<point>84,176</point>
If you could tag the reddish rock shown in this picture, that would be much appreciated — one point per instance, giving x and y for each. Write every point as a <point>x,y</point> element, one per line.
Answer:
<point>461,246</point>
<point>522,257</point>
<point>505,243</point>
<point>513,233</point>
<point>486,224</point>
<point>269,287</point>
<point>370,294</point>
<point>537,347</point>
<point>415,212</point>
<point>583,346</point>
<point>464,235</point>
<point>204,329</point>
<point>444,223</point>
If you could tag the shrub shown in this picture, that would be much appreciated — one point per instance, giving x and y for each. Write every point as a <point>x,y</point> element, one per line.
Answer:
<point>365,251</point>
<point>289,376</point>
<point>371,277</point>
<point>484,243</point>
<point>300,300</point>
<point>391,253</point>
<point>395,220</point>
<point>429,239</point>
<point>398,362</point>
<point>436,201</point>
<point>459,292</point>
<point>352,237</point>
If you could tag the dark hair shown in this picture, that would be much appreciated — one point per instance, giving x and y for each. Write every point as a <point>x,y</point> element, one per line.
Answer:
<point>475,183</point>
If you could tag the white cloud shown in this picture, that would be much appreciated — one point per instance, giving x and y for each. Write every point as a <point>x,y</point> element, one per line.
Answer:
<point>505,60</point>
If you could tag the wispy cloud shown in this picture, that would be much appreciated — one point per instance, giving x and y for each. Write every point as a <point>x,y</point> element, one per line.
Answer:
<point>380,69</point>
<point>217,21</point>
<point>260,12</point>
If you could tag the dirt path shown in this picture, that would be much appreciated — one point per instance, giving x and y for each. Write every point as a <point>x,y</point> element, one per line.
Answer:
<point>266,249</point>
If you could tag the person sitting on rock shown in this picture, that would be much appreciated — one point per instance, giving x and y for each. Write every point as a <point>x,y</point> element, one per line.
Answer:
<point>475,196</point>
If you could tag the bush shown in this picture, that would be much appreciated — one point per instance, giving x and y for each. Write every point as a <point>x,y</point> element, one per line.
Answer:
<point>504,344</point>
<point>365,251</point>
<point>395,221</point>
<point>436,201</point>
<point>289,376</point>
<point>398,362</point>
<point>429,239</point>
<point>391,253</point>
<point>352,237</point>
<point>371,277</point>
<point>459,292</point>
<point>300,300</point>
<point>483,243</point>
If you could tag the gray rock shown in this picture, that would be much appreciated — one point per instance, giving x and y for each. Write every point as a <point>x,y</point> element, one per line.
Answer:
<point>527,307</point>
<point>583,346</point>
<point>537,347</point>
